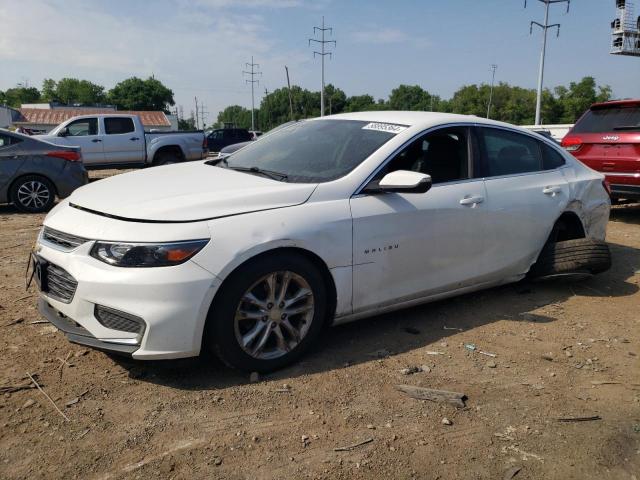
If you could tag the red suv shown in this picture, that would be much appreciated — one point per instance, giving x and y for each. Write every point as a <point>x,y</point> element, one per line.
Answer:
<point>607,139</point>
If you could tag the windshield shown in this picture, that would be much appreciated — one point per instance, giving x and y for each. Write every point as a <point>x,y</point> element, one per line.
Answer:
<point>610,119</point>
<point>312,151</point>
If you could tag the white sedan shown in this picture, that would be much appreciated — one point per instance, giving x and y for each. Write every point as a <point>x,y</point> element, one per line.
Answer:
<point>323,221</point>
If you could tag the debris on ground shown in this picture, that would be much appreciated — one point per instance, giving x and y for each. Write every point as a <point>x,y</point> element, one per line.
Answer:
<point>512,472</point>
<point>579,419</point>
<point>351,447</point>
<point>454,398</point>
<point>446,421</point>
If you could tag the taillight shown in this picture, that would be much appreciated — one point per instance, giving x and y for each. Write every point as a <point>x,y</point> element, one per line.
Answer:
<point>572,144</point>
<point>205,145</point>
<point>606,186</point>
<point>68,155</point>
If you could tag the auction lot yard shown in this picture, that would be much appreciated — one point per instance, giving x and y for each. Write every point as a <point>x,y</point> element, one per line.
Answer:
<point>563,351</point>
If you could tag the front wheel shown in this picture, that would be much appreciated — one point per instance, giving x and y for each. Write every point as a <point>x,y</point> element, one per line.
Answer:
<point>268,313</point>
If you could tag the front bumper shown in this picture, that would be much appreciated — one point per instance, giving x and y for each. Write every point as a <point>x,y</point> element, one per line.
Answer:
<point>172,301</point>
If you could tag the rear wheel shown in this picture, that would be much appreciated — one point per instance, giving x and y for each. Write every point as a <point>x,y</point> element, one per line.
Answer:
<point>166,158</point>
<point>268,313</point>
<point>32,194</point>
<point>582,255</point>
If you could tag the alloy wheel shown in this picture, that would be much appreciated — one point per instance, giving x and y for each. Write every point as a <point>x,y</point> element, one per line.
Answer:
<point>33,194</point>
<point>274,315</point>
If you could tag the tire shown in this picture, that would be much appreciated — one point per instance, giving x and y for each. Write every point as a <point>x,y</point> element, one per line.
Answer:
<point>572,256</point>
<point>166,158</point>
<point>227,328</point>
<point>33,194</point>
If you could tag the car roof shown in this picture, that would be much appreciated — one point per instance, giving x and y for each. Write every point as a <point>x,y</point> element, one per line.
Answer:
<point>617,103</point>
<point>421,120</point>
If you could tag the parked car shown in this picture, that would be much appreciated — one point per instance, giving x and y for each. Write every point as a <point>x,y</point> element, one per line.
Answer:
<point>33,172</point>
<point>607,139</point>
<point>116,140</point>
<point>229,149</point>
<point>222,137</point>
<point>321,222</point>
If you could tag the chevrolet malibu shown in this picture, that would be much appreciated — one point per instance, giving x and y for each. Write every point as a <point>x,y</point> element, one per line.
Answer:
<point>321,222</point>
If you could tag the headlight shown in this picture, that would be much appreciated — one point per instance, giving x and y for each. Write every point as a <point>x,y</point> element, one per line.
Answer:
<point>146,254</point>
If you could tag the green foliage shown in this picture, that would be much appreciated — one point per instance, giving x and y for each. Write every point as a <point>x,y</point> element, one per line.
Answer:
<point>187,123</point>
<point>137,94</point>
<point>14,97</point>
<point>71,91</point>
<point>236,115</point>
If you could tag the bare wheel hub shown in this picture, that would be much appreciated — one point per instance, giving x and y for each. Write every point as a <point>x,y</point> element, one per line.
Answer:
<point>274,315</point>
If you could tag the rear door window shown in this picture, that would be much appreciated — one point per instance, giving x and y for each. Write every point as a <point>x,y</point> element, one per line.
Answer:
<point>118,125</point>
<point>609,119</point>
<point>508,153</point>
<point>6,140</point>
<point>551,158</point>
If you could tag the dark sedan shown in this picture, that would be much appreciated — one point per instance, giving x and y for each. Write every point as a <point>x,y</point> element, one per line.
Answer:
<point>33,173</point>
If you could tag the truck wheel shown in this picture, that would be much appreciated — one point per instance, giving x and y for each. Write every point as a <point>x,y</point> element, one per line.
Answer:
<point>32,194</point>
<point>166,158</point>
<point>268,313</point>
<point>583,255</point>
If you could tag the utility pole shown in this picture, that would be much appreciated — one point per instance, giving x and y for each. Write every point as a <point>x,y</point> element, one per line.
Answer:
<point>197,126</point>
<point>266,105</point>
<point>322,54</point>
<point>290,99</point>
<point>252,73</point>
<point>546,26</point>
<point>494,67</point>
<point>203,112</point>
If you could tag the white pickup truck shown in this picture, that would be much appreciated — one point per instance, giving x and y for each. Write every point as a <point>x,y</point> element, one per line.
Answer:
<point>118,141</point>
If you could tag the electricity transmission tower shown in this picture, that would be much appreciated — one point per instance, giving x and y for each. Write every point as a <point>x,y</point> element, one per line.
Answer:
<point>494,67</point>
<point>203,113</point>
<point>546,26</point>
<point>322,54</point>
<point>252,73</point>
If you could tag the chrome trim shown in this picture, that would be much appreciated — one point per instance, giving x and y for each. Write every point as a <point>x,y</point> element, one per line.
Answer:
<point>406,144</point>
<point>65,242</point>
<point>622,174</point>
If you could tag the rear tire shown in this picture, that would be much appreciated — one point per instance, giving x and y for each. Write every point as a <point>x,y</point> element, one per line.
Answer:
<point>582,255</point>
<point>33,194</point>
<point>166,158</point>
<point>228,330</point>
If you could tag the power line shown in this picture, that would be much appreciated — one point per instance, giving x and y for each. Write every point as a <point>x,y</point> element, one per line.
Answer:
<point>494,67</point>
<point>546,26</point>
<point>322,54</point>
<point>252,73</point>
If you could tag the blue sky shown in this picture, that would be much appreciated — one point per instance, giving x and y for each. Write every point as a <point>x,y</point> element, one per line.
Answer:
<point>198,47</point>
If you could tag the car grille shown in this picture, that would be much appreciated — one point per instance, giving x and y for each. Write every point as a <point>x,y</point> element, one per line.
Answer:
<point>60,284</point>
<point>117,320</point>
<point>63,240</point>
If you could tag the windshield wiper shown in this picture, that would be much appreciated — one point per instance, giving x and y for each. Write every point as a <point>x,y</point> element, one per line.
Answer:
<point>265,173</point>
<point>627,127</point>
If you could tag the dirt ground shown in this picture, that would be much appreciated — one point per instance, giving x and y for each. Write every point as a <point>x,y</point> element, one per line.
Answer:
<point>562,351</point>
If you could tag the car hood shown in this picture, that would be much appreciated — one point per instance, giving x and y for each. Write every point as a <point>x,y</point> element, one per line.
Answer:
<point>186,192</point>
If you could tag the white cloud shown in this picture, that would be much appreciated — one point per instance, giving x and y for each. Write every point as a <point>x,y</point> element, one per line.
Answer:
<point>192,53</point>
<point>387,36</point>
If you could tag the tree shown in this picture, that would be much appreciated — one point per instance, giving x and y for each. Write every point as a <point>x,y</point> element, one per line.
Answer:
<point>360,103</point>
<point>409,97</point>
<point>137,94</point>
<point>576,99</point>
<point>187,123</point>
<point>15,97</point>
<point>72,91</point>
<point>236,115</point>
<point>335,99</point>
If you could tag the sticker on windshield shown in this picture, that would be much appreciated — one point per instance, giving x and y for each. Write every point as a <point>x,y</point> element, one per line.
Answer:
<point>385,127</point>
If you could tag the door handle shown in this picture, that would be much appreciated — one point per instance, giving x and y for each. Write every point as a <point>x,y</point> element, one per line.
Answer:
<point>471,200</point>
<point>552,190</point>
<point>133,139</point>
<point>96,140</point>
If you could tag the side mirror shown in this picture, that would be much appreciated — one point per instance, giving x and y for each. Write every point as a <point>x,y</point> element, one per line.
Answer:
<point>401,181</point>
<point>63,132</point>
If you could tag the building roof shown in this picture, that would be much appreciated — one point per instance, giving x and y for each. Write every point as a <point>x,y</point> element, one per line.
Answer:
<point>39,116</point>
